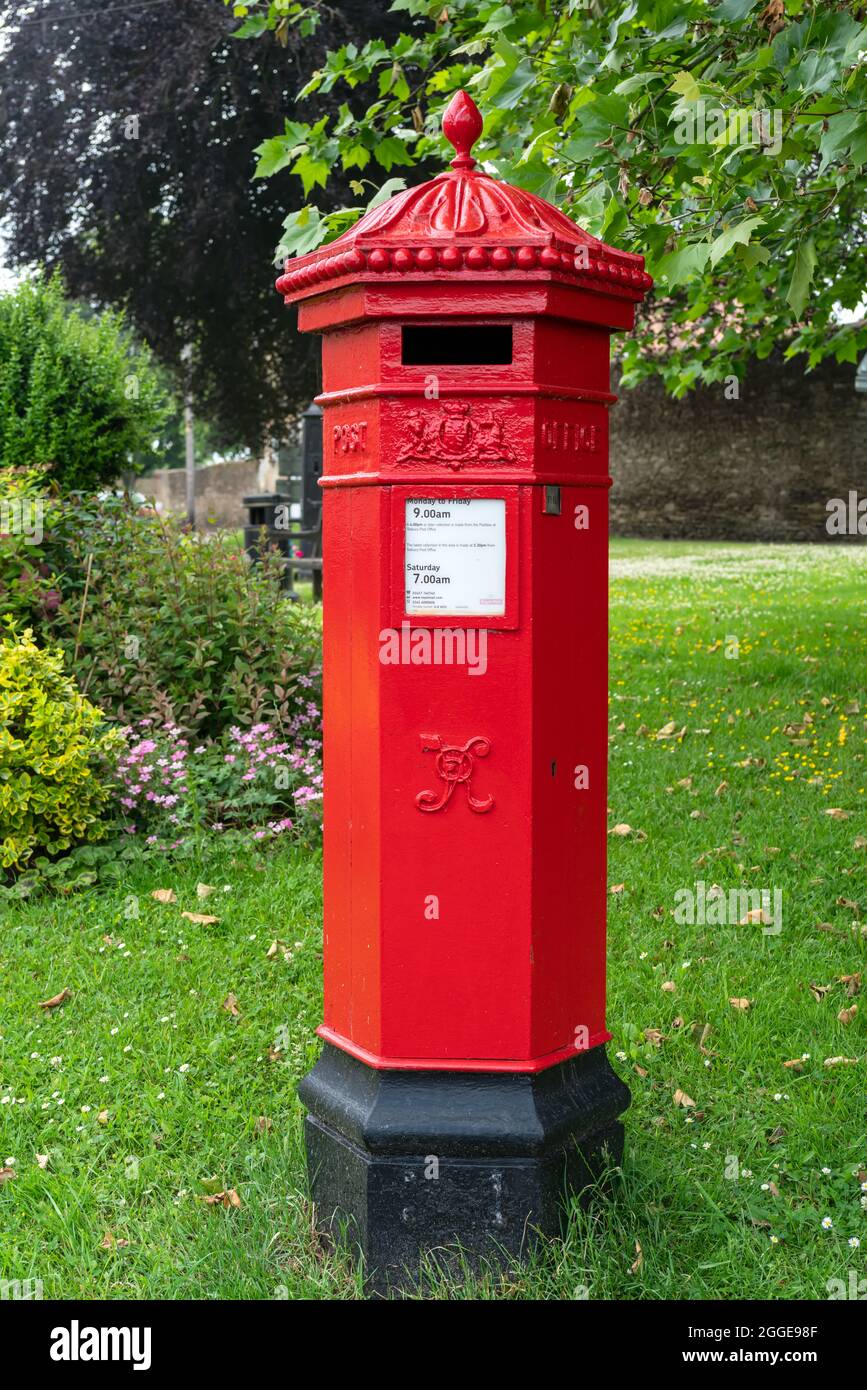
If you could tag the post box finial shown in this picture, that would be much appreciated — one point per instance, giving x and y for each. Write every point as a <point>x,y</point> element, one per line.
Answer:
<point>462,126</point>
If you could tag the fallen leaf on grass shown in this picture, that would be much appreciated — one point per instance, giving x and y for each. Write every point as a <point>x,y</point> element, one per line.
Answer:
<point>102,1117</point>
<point>681,1098</point>
<point>642,1071</point>
<point>6,1175</point>
<point>860,842</point>
<point>836,813</point>
<point>773,1189</point>
<point>230,1004</point>
<point>638,1261</point>
<point>263,1124</point>
<point>42,1160</point>
<point>741,1003</point>
<point>848,902</point>
<point>667,730</point>
<point>846,1015</point>
<point>756,914</point>
<point>274,950</point>
<point>60,998</point>
<point>204,890</point>
<point>229,1198</point>
<point>164,895</point>
<point>852,983</point>
<point>201,918</point>
<point>622,829</point>
<point>110,1242</point>
<point>840,1062</point>
<point>796,1064</point>
<point>819,991</point>
<point>654,1036</point>
<point>668,987</point>
<point>617,887</point>
<point>723,787</point>
<point>776,1135</point>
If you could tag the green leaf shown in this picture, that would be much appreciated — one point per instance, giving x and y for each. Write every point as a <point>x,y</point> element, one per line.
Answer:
<point>732,235</point>
<point>733,11</point>
<point>686,86</point>
<point>803,265</point>
<point>311,171</point>
<point>274,154</point>
<point>679,266</point>
<point>389,188</point>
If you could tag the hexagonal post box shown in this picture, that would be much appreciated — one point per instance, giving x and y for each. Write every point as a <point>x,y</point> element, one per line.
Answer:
<point>464,1088</point>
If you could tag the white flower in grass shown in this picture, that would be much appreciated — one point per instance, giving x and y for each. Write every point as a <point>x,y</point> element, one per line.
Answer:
<point>827,1172</point>
<point>103,1081</point>
<point>778,1096</point>
<point>10,1163</point>
<point>114,1031</point>
<point>746,1172</point>
<point>765,1186</point>
<point>864,1187</point>
<point>56,1061</point>
<point>128,1047</point>
<point>34,1056</point>
<point>621,1056</point>
<point>827,1223</point>
<point>85,1109</point>
<point>854,1242</point>
<point>775,1240</point>
<point>185,1066</point>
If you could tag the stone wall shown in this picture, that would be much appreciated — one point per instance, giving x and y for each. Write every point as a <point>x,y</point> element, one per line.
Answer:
<point>761,467</point>
<point>219,489</point>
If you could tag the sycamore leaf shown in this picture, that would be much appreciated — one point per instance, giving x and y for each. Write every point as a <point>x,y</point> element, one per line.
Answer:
<point>679,266</point>
<point>803,265</point>
<point>740,233</point>
<point>686,86</point>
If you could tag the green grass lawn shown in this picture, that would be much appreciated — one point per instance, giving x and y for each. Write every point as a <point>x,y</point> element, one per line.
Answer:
<point>169,1075</point>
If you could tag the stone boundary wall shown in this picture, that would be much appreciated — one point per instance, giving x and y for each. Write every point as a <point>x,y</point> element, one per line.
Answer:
<point>219,489</point>
<point>761,467</point>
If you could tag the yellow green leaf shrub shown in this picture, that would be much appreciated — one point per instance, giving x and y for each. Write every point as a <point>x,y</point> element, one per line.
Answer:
<point>53,755</point>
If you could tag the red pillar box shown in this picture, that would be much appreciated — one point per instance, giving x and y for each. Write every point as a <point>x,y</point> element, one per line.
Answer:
<point>464,1086</point>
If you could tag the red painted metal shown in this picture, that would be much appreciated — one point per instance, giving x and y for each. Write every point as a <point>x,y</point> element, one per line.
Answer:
<point>441,787</point>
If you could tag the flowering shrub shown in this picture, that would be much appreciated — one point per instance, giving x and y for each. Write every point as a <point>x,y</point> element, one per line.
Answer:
<point>253,778</point>
<point>176,626</point>
<point>154,783</point>
<point>51,746</point>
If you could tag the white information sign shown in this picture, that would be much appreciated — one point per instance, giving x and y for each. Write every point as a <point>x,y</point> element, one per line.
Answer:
<point>455,561</point>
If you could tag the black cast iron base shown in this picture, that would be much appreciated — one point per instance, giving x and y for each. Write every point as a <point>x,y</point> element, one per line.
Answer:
<point>403,1164</point>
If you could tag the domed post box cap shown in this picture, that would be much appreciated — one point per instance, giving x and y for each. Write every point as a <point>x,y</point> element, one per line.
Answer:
<point>465,225</point>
